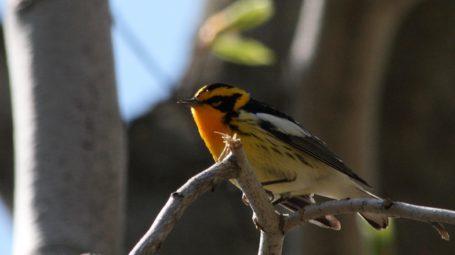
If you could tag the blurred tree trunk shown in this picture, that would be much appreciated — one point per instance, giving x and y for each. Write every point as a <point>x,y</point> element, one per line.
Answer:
<point>337,63</point>
<point>6,131</point>
<point>418,121</point>
<point>69,141</point>
<point>167,132</point>
<point>336,88</point>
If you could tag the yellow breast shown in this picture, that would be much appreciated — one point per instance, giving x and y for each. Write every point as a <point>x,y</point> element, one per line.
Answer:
<point>210,124</point>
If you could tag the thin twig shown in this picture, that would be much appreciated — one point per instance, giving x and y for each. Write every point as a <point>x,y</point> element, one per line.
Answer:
<point>265,217</point>
<point>371,205</point>
<point>180,200</point>
<point>272,225</point>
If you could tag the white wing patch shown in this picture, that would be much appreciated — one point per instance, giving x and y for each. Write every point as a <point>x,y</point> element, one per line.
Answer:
<point>283,125</point>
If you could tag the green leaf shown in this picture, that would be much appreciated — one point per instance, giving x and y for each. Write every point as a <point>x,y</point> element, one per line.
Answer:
<point>243,51</point>
<point>379,242</point>
<point>247,14</point>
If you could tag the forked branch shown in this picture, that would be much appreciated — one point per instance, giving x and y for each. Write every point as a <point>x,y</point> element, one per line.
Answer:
<point>180,200</point>
<point>272,225</point>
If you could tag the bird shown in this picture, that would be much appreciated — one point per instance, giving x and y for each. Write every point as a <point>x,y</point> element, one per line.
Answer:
<point>291,163</point>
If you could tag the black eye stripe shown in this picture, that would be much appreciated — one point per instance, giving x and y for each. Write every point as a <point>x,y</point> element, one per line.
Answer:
<point>216,99</point>
<point>232,97</point>
<point>226,102</point>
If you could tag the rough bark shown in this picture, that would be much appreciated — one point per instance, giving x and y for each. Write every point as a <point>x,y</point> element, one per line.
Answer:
<point>69,141</point>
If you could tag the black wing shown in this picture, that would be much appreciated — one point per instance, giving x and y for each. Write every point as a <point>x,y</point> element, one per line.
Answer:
<point>303,141</point>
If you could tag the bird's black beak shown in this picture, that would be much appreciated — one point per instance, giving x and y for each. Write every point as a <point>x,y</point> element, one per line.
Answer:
<point>189,101</point>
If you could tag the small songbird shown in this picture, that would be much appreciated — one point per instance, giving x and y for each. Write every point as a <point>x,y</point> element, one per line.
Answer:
<point>290,162</point>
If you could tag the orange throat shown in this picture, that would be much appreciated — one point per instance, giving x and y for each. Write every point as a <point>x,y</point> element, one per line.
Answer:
<point>210,124</point>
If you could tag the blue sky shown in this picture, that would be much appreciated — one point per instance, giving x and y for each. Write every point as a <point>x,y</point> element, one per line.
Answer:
<point>5,231</point>
<point>164,31</point>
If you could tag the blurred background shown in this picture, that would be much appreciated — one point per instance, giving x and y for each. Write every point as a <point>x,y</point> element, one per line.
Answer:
<point>374,79</point>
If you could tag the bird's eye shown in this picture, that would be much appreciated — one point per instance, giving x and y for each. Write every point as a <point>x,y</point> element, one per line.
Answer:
<point>216,103</point>
<point>221,103</point>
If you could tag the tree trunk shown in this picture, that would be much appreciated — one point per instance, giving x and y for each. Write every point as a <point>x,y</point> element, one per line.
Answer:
<point>337,65</point>
<point>69,141</point>
<point>6,131</point>
<point>417,142</point>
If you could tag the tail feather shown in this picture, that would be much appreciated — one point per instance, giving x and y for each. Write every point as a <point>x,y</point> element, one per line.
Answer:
<point>297,203</point>
<point>377,221</point>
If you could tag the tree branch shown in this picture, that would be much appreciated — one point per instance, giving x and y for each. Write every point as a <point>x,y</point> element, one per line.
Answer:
<point>265,217</point>
<point>182,199</point>
<point>272,225</point>
<point>385,207</point>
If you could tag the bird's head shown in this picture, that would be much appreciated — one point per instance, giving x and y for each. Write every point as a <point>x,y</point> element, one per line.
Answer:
<point>221,97</point>
<point>212,106</point>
